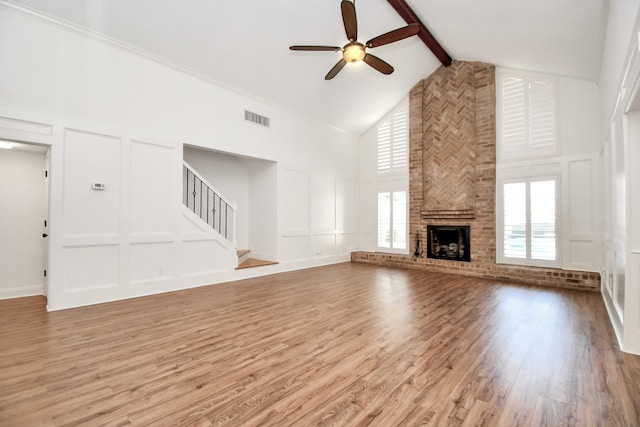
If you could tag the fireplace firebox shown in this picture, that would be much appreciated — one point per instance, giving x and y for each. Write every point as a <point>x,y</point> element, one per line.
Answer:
<point>452,242</point>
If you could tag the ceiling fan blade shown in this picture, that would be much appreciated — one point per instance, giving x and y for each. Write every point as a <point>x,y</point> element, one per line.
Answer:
<point>394,36</point>
<point>316,48</point>
<point>378,64</point>
<point>336,69</point>
<point>349,19</point>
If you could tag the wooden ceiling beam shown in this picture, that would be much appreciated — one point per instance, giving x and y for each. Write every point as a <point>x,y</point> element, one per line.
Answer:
<point>407,13</point>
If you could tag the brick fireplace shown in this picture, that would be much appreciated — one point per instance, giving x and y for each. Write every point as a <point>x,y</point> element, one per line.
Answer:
<point>452,173</point>
<point>450,242</point>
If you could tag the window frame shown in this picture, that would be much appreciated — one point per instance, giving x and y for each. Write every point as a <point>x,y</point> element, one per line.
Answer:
<point>391,249</point>
<point>500,205</point>
<point>395,178</point>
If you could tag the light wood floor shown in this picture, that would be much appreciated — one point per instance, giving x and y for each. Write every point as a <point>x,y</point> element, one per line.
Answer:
<point>349,344</point>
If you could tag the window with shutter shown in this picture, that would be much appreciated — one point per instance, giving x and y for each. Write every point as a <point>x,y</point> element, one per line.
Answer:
<point>400,140</point>
<point>384,146</point>
<point>528,222</point>
<point>527,116</point>
<point>393,141</point>
<point>392,180</point>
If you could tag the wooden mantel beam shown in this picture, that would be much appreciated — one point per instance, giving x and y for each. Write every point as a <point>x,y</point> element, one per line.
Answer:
<point>407,13</point>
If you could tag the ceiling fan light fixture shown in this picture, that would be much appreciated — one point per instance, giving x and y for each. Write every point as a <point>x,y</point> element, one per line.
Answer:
<point>353,52</point>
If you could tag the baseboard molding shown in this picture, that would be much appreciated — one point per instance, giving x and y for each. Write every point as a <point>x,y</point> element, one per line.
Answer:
<point>81,298</point>
<point>21,291</point>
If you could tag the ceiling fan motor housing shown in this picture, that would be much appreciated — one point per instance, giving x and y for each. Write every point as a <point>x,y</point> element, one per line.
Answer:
<point>353,52</point>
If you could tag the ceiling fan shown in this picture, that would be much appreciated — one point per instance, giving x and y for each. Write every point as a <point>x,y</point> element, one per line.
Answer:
<point>354,51</point>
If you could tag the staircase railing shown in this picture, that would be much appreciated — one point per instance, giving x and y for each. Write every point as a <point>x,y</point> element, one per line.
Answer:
<point>208,203</point>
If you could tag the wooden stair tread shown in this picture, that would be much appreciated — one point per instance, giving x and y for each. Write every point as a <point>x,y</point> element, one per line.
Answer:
<point>252,262</point>
<point>241,252</point>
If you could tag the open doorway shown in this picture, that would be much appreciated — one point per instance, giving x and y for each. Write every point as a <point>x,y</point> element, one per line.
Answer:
<point>24,191</point>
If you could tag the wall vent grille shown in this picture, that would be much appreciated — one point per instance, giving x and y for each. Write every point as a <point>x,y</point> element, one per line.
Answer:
<point>256,118</point>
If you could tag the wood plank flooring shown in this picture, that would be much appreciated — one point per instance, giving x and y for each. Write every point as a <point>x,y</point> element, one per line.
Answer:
<point>346,345</point>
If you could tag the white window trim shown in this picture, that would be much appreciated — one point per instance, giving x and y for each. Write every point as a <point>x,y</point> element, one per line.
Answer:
<point>500,258</point>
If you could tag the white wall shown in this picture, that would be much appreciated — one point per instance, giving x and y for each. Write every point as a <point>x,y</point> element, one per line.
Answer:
<point>22,215</point>
<point>113,116</point>
<point>579,113</point>
<point>317,215</point>
<point>263,208</point>
<point>576,165</point>
<point>620,103</point>
<point>620,31</point>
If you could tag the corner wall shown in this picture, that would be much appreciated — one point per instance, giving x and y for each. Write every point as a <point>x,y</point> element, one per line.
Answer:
<point>620,100</point>
<point>464,96</point>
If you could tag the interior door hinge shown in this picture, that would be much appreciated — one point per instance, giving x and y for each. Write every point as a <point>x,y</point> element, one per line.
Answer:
<point>46,174</point>
<point>45,273</point>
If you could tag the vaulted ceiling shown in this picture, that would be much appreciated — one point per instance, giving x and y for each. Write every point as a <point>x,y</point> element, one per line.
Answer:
<point>243,45</point>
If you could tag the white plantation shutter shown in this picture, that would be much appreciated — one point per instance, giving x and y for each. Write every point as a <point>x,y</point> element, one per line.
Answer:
<point>384,146</point>
<point>393,141</point>
<point>527,117</point>
<point>400,139</point>
<point>514,117</point>
<point>542,117</point>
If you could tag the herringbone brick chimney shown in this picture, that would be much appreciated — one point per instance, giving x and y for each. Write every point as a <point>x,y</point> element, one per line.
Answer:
<point>452,153</point>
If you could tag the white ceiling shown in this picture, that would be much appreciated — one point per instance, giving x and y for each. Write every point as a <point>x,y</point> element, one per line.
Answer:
<point>244,44</point>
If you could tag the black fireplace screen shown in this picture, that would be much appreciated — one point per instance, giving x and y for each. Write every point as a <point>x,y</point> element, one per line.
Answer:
<point>450,242</point>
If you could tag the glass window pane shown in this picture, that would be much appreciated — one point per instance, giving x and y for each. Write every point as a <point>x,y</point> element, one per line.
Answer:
<point>400,219</point>
<point>515,220</point>
<point>384,220</point>
<point>543,220</point>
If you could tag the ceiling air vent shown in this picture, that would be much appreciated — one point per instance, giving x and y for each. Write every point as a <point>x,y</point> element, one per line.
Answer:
<point>256,118</point>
